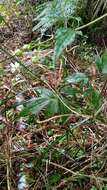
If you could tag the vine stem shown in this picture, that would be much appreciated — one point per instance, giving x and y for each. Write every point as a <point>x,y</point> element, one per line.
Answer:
<point>92,22</point>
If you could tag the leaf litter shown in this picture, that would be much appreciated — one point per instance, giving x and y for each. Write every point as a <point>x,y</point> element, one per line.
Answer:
<point>34,145</point>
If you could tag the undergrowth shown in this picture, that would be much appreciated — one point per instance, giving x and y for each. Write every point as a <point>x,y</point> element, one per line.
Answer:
<point>53,107</point>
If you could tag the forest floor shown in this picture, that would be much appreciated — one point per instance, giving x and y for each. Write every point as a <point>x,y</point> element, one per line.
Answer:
<point>48,149</point>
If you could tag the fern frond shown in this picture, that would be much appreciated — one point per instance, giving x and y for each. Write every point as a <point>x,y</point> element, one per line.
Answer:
<point>56,11</point>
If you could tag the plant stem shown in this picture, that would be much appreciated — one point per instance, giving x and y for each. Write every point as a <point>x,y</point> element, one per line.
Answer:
<point>92,22</point>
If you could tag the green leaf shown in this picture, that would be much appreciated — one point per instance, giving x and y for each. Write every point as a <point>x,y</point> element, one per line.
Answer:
<point>18,52</point>
<point>35,106</point>
<point>43,92</point>
<point>52,107</point>
<point>63,139</point>
<point>2,126</point>
<point>46,100</point>
<point>93,188</point>
<point>94,97</point>
<point>62,108</point>
<point>26,47</point>
<point>50,132</point>
<point>105,187</point>
<point>64,37</point>
<point>69,91</point>
<point>77,78</point>
<point>101,63</point>
<point>35,59</point>
<point>1,19</point>
<point>54,178</point>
